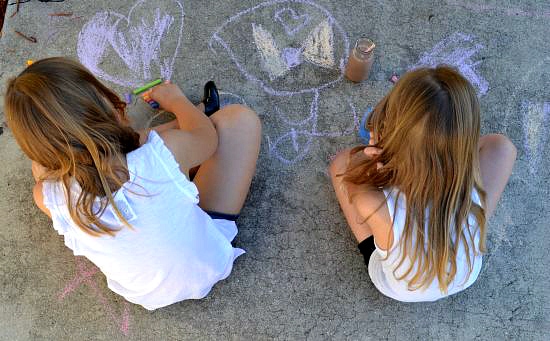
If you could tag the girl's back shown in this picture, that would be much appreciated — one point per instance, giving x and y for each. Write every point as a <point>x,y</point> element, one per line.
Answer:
<point>382,264</point>
<point>160,204</point>
<point>423,187</point>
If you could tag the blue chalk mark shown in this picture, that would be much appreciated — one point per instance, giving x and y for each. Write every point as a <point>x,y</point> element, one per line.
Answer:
<point>364,134</point>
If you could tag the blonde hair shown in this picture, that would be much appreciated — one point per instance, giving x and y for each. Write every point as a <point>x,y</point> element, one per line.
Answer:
<point>428,128</point>
<point>63,118</point>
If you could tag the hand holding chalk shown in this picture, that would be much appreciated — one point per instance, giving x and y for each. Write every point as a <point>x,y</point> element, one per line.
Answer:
<point>165,94</point>
<point>145,97</point>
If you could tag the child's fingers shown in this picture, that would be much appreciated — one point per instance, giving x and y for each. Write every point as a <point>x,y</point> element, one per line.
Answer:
<point>372,151</point>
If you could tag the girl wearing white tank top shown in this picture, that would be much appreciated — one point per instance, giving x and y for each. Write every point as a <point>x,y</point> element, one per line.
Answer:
<point>153,210</point>
<point>417,198</point>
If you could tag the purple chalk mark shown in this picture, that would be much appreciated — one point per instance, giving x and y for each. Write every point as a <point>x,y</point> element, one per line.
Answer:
<point>292,56</point>
<point>298,131</point>
<point>269,90</point>
<point>534,148</point>
<point>507,11</point>
<point>291,21</point>
<point>138,48</point>
<point>456,50</point>
<point>292,136</point>
<point>84,275</point>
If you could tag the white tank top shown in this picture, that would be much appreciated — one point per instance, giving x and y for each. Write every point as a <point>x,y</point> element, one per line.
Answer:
<point>381,269</point>
<point>174,252</point>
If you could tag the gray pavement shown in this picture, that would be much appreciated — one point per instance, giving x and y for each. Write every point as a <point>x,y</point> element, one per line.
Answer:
<point>302,276</point>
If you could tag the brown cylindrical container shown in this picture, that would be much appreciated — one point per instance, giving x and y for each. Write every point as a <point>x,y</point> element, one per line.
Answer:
<point>360,60</point>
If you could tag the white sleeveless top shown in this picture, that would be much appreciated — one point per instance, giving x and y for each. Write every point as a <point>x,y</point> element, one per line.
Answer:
<point>174,250</point>
<point>381,269</point>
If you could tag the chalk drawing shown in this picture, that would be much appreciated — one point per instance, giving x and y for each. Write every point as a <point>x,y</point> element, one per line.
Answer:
<point>288,38</point>
<point>85,272</point>
<point>301,138</point>
<point>141,43</point>
<point>536,128</point>
<point>493,8</point>
<point>272,61</point>
<point>323,40</point>
<point>227,98</point>
<point>533,115</point>
<point>457,50</point>
<point>291,21</point>
<point>317,49</point>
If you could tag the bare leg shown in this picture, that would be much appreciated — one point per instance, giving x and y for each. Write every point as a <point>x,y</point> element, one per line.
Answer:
<point>224,179</point>
<point>358,226</point>
<point>497,155</point>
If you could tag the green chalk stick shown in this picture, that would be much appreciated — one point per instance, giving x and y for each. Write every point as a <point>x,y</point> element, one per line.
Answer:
<point>147,86</point>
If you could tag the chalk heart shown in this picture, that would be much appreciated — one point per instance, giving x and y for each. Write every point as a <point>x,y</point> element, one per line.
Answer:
<point>291,21</point>
<point>138,47</point>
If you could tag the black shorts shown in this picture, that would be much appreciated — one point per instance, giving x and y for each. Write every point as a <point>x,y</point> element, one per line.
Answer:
<point>367,247</point>
<point>218,215</point>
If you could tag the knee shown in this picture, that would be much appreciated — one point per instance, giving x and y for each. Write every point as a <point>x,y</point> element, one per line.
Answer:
<point>238,117</point>
<point>500,144</point>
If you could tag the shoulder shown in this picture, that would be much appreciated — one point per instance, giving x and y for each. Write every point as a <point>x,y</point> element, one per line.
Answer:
<point>38,197</point>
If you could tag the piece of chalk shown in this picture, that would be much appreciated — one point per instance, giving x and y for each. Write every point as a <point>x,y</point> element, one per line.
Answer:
<point>29,62</point>
<point>364,133</point>
<point>147,86</point>
<point>394,78</point>
<point>128,98</point>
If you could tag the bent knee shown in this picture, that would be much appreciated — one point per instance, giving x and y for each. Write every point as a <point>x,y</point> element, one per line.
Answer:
<point>501,144</point>
<point>237,116</point>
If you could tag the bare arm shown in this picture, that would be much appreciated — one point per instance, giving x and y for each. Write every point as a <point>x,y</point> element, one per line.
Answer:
<point>497,155</point>
<point>192,137</point>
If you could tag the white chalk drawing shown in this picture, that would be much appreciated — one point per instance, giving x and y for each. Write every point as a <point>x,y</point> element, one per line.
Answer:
<point>227,98</point>
<point>536,128</point>
<point>271,55</point>
<point>144,45</point>
<point>533,114</point>
<point>457,50</point>
<point>289,39</point>
<point>317,49</point>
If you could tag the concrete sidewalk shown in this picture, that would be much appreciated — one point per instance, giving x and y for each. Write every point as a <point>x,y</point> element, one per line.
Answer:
<point>302,276</point>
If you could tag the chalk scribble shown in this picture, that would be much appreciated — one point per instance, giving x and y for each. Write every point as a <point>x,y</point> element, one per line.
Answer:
<point>536,128</point>
<point>85,272</point>
<point>288,38</point>
<point>457,50</point>
<point>141,44</point>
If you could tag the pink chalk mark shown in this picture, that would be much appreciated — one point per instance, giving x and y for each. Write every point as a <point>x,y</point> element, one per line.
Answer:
<point>84,275</point>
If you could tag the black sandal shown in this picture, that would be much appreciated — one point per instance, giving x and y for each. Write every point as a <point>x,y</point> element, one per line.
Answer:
<point>211,98</point>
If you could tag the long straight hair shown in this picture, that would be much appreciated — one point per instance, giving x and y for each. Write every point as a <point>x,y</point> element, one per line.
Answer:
<point>428,129</point>
<point>63,118</point>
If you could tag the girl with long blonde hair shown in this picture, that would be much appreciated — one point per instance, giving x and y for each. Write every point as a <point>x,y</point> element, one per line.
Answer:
<point>125,199</point>
<point>418,197</point>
